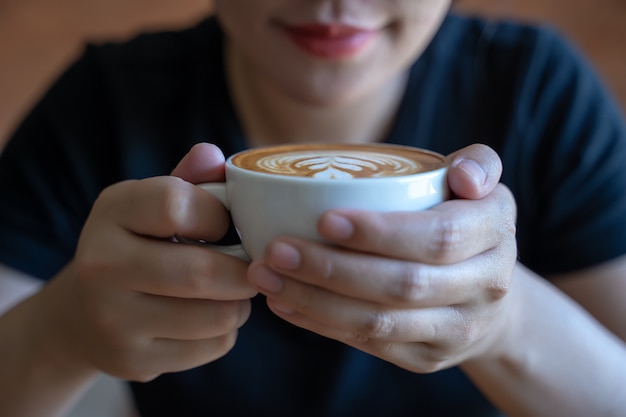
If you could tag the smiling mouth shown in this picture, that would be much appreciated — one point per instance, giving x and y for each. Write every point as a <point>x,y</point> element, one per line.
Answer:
<point>330,41</point>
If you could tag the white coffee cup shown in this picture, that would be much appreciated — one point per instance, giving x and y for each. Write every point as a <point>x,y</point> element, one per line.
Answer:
<point>283,190</point>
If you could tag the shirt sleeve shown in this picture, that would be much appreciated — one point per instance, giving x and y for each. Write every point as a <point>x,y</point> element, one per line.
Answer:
<point>568,162</point>
<point>48,178</point>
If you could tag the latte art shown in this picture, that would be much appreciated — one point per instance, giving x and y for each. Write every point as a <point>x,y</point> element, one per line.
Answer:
<point>334,164</point>
<point>338,161</point>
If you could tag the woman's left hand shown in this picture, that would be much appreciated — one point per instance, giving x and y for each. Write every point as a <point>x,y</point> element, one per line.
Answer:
<point>424,290</point>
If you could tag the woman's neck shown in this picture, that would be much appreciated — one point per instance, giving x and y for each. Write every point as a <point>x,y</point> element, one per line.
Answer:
<point>270,117</point>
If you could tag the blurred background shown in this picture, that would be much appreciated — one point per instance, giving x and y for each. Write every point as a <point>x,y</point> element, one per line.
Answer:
<point>597,27</point>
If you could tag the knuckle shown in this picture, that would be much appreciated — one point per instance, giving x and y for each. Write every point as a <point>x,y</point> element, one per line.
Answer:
<point>225,343</point>
<point>446,343</point>
<point>216,348</point>
<point>326,268</point>
<point>355,338</point>
<point>87,271</point>
<point>436,357</point>
<point>499,285</point>
<point>128,363</point>
<point>508,228</point>
<point>105,320</point>
<point>378,325</point>
<point>510,225</point>
<point>430,365</point>
<point>144,378</point>
<point>506,211</point>
<point>140,375</point>
<point>498,288</point>
<point>197,274</point>
<point>469,329</point>
<point>245,309</point>
<point>508,203</point>
<point>426,358</point>
<point>174,204</point>
<point>226,315</point>
<point>446,238</point>
<point>411,284</point>
<point>134,373</point>
<point>304,299</point>
<point>466,333</point>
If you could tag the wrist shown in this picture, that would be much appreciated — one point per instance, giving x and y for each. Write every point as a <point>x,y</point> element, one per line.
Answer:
<point>38,376</point>
<point>57,338</point>
<point>44,341</point>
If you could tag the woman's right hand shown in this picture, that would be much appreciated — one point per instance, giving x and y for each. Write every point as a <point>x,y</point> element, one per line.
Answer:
<point>135,304</point>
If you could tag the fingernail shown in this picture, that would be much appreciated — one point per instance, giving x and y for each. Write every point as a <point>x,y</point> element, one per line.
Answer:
<point>267,280</point>
<point>284,255</point>
<point>473,169</point>
<point>338,227</point>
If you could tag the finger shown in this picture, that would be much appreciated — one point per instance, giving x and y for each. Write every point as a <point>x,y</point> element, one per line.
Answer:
<point>379,280</point>
<point>186,319</point>
<point>449,232</point>
<point>359,324</point>
<point>409,355</point>
<point>474,172</point>
<point>167,355</point>
<point>436,335</point>
<point>186,354</point>
<point>203,163</point>
<point>163,207</point>
<point>413,355</point>
<point>169,269</point>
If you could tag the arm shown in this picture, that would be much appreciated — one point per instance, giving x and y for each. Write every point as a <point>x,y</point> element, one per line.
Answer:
<point>15,287</point>
<point>563,350</point>
<point>39,380</point>
<point>600,291</point>
<point>556,359</point>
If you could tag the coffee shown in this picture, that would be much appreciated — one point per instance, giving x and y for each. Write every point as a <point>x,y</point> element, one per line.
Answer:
<point>339,161</point>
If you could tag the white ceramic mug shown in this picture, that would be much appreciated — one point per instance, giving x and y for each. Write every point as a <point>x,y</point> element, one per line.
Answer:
<point>283,190</point>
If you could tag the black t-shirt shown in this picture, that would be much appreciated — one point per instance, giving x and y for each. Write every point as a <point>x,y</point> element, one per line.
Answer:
<point>133,110</point>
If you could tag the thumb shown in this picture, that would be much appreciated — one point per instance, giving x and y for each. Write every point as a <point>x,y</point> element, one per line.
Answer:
<point>474,172</point>
<point>203,163</point>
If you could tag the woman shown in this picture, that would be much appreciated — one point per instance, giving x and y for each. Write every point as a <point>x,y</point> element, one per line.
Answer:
<point>434,313</point>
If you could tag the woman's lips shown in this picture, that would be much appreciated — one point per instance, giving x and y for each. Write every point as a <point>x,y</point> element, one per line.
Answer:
<point>330,41</point>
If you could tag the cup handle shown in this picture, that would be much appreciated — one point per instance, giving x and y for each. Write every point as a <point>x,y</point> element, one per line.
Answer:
<point>218,189</point>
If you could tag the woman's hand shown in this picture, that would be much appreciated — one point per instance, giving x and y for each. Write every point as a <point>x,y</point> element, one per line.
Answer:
<point>424,290</point>
<point>133,303</point>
